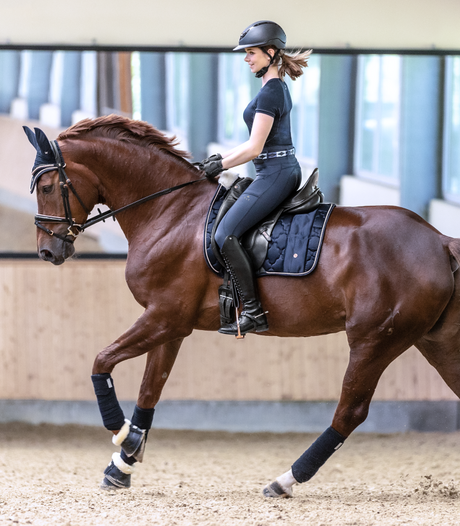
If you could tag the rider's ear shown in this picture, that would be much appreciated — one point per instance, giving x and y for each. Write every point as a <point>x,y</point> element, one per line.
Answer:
<point>42,141</point>
<point>31,136</point>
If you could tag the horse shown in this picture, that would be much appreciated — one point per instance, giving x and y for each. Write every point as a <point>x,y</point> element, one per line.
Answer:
<point>386,277</point>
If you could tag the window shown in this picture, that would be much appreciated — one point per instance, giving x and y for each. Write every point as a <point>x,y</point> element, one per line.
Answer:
<point>177,90</point>
<point>378,117</point>
<point>305,110</point>
<point>236,90</point>
<point>136,84</point>
<point>451,172</point>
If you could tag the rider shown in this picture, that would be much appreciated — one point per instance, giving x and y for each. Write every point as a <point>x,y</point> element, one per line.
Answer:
<point>270,147</point>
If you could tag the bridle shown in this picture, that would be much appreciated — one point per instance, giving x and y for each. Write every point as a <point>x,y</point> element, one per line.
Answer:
<point>65,184</point>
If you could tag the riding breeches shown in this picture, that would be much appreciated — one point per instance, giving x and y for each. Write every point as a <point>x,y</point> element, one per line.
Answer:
<point>276,179</point>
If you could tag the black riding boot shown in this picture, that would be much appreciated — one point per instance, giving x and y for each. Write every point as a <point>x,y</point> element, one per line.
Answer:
<point>253,318</point>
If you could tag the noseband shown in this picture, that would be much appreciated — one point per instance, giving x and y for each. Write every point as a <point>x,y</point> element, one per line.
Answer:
<point>65,184</point>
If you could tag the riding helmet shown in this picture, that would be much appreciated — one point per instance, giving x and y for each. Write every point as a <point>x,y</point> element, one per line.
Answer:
<point>262,33</point>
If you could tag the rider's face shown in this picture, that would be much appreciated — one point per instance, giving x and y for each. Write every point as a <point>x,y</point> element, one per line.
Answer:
<point>256,58</point>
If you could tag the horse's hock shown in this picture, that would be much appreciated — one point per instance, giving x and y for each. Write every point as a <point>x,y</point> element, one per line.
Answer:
<point>55,320</point>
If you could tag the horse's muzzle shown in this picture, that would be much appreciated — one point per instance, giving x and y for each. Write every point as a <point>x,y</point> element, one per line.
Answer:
<point>56,252</point>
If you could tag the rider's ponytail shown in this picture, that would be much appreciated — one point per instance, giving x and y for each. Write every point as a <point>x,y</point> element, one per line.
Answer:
<point>293,64</point>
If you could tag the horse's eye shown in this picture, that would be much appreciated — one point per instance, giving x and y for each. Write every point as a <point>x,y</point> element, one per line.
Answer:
<point>47,189</point>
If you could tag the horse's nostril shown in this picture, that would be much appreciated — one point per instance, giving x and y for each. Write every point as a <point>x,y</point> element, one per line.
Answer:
<point>46,254</point>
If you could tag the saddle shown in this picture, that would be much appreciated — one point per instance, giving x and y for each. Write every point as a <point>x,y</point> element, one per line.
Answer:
<point>287,242</point>
<point>256,240</point>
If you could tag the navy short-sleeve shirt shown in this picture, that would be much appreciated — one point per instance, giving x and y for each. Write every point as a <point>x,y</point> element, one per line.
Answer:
<point>273,99</point>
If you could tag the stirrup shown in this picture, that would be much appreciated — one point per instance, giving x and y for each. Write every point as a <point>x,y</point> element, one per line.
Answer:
<point>246,323</point>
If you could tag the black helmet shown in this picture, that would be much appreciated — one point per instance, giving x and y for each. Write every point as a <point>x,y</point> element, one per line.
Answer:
<point>262,33</point>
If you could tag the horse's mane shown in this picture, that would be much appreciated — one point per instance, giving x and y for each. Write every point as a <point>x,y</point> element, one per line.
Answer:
<point>126,130</point>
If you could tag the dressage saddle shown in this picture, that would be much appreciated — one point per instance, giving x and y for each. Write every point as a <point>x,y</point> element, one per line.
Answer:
<point>256,240</point>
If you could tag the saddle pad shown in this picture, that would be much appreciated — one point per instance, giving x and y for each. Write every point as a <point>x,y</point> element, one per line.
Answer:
<point>295,243</point>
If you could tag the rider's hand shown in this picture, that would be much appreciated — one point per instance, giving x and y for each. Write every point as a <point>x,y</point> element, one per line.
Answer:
<point>213,168</point>
<point>214,157</point>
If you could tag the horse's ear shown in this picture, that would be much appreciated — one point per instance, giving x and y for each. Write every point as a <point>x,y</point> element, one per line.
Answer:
<point>31,136</point>
<point>42,141</point>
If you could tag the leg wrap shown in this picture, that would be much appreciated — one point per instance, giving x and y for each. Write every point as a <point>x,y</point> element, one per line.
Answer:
<point>316,455</point>
<point>143,418</point>
<point>112,415</point>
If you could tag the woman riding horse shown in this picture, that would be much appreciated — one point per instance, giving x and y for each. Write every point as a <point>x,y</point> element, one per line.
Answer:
<point>270,147</point>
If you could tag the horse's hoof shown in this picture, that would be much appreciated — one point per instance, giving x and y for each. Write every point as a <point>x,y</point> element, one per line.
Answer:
<point>276,491</point>
<point>114,477</point>
<point>107,485</point>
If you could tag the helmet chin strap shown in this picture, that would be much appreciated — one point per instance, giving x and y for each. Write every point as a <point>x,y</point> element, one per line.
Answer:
<point>264,70</point>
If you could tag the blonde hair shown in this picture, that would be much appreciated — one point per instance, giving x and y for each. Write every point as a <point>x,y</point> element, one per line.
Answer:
<point>292,64</point>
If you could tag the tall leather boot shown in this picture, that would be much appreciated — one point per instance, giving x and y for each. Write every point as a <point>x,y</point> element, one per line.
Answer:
<point>253,318</point>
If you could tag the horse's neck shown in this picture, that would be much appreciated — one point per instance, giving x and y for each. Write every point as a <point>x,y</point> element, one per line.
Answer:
<point>142,173</point>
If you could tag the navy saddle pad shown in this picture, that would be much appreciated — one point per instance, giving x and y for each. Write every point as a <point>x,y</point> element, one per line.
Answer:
<point>293,248</point>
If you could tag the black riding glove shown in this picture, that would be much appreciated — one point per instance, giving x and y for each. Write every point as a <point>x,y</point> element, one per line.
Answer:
<point>213,169</point>
<point>210,159</point>
<point>201,165</point>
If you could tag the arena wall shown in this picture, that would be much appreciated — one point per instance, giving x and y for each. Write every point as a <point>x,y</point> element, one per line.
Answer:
<point>54,320</point>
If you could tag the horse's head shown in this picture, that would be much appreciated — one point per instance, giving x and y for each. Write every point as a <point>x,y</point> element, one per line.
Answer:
<point>62,210</point>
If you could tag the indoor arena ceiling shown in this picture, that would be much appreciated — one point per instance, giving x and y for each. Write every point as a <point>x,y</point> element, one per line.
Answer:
<point>367,24</point>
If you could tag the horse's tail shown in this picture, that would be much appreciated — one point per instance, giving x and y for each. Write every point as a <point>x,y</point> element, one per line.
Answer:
<point>453,245</point>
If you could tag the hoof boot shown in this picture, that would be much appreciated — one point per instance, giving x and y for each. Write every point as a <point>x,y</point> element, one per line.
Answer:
<point>115,478</point>
<point>132,440</point>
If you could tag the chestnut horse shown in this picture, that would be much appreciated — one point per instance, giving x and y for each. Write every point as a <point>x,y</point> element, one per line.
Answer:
<point>386,276</point>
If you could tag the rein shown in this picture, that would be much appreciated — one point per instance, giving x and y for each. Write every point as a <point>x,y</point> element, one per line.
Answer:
<point>65,183</point>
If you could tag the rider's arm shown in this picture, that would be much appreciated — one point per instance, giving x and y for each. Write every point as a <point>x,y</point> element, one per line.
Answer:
<point>250,149</point>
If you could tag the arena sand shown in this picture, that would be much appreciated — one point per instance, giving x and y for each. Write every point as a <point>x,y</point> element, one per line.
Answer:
<point>49,475</point>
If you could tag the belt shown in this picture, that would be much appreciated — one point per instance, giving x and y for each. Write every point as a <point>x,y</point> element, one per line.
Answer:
<point>273,155</point>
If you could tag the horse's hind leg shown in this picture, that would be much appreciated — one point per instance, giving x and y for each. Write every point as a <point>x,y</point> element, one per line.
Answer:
<point>365,367</point>
<point>133,434</point>
<point>444,356</point>
<point>441,346</point>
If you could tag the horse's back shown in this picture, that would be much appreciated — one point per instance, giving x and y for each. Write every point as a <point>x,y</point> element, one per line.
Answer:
<point>375,262</point>
<point>379,229</point>
<point>393,252</point>
<point>387,239</point>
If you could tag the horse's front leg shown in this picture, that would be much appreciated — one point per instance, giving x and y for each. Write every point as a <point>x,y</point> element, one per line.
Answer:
<point>131,434</point>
